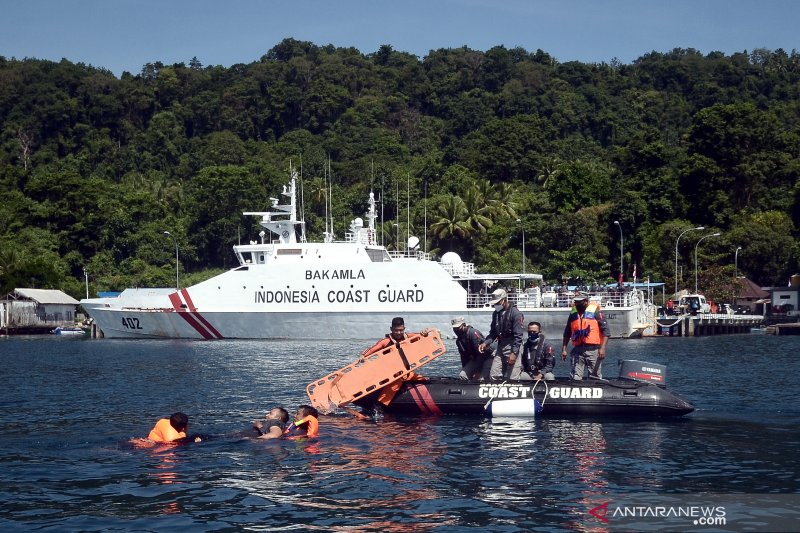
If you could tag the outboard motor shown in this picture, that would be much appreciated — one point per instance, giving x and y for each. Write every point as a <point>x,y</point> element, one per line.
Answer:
<point>643,371</point>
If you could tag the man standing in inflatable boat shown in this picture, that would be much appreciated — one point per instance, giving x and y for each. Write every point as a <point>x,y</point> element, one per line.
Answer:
<point>508,327</point>
<point>588,330</point>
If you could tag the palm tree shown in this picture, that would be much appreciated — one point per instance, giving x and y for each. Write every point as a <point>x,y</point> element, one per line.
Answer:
<point>550,169</point>
<point>501,202</point>
<point>497,198</point>
<point>319,194</point>
<point>477,215</point>
<point>451,223</point>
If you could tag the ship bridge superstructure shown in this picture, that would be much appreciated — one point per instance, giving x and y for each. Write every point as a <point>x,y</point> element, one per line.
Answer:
<point>282,244</point>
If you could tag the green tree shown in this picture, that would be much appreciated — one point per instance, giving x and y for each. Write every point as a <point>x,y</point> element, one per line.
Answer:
<point>580,184</point>
<point>451,224</point>
<point>216,198</point>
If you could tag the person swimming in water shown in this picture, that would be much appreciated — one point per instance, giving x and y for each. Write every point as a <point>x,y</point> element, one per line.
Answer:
<point>172,429</point>
<point>274,425</point>
<point>306,423</point>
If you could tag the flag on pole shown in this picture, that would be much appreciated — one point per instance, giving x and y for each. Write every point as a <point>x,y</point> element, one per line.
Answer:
<point>634,272</point>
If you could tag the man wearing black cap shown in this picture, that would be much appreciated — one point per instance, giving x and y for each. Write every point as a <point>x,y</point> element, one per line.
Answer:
<point>508,328</point>
<point>588,330</point>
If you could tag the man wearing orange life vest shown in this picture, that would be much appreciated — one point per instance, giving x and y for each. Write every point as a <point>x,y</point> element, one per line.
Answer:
<point>588,331</point>
<point>398,334</point>
<point>170,429</point>
<point>306,423</point>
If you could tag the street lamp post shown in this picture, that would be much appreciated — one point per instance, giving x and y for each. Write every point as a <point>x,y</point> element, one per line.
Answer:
<point>177,278</point>
<point>86,275</point>
<point>676,254</point>
<point>523,245</point>
<point>621,248</point>
<point>736,263</point>
<point>695,255</point>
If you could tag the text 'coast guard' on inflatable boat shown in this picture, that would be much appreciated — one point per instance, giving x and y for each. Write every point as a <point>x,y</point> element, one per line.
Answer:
<point>639,391</point>
<point>388,378</point>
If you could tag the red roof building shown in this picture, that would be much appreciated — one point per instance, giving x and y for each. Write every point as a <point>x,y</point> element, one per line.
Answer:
<point>750,295</point>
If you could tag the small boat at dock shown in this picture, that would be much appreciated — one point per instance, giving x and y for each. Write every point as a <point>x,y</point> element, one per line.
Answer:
<point>65,331</point>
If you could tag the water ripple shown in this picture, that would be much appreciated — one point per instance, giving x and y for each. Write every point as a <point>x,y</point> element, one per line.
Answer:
<point>69,408</point>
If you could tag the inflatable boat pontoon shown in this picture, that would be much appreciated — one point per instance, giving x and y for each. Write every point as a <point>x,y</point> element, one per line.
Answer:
<point>640,391</point>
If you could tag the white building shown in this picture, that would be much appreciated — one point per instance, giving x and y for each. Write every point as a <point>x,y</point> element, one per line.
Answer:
<point>785,300</point>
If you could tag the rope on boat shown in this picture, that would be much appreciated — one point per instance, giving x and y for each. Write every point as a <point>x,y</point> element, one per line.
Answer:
<point>546,390</point>
<point>485,407</point>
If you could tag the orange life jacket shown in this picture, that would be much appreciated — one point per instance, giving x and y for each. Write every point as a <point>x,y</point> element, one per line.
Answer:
<point>385,342</point>
<point>312,427</point>
<point>164,432</point>
<point>388,392</point>
<point>585,329</point>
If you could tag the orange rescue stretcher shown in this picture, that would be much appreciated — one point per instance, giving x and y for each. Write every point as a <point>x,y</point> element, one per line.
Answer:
<point>374,371</point>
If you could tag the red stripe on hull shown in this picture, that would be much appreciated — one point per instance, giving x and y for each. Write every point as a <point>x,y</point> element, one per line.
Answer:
<point>423,409</point>
<point>197,315</point>
<point>422,397</point>
<point>176,303</point>
<point>425,394</point>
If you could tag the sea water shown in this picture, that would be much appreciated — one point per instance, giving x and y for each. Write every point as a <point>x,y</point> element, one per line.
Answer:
<point>70,407</point>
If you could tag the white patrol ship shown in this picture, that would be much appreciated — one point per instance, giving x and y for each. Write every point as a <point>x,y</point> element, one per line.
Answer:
<point>287,288</point>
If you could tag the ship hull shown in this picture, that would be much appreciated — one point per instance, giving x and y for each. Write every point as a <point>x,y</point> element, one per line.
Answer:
<point>557,399</point>
<point>352,324</point>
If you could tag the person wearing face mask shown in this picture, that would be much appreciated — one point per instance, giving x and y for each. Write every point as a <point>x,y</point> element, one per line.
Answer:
<point>538,359</point>
<point>474,363</point>
<point>589,332</point>
<point>507,331</point>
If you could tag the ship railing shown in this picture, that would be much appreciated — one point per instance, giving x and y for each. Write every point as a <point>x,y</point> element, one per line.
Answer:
<point>563,299</point>
<point>459,269</point>
<point>363,236</point>
<point>418,255</point>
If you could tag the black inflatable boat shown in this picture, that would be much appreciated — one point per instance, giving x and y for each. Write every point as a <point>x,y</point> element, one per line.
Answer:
<point>639,391</point>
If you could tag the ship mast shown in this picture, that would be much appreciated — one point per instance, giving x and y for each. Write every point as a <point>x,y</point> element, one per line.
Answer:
<point>284,228</point>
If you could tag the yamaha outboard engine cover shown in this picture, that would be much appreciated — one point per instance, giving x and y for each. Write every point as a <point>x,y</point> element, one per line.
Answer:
<point>643,371</point>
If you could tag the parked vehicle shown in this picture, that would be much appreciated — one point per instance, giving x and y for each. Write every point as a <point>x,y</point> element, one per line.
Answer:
<point>695,303</point>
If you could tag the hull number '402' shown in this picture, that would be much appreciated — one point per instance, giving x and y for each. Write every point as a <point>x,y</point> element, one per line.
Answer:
<point>130,323</point>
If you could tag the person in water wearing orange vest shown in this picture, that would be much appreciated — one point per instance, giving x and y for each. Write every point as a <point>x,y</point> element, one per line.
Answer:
<point>589,332</point>
<point>306,423</point>
<point>172,429</point>
<point>275,424</point>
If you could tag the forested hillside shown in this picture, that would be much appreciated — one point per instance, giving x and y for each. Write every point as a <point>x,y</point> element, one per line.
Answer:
<point>93,169</point>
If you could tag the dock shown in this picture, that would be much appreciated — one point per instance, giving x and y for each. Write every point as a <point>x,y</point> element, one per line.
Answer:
<point>702,324</point>
<point>785,329</point>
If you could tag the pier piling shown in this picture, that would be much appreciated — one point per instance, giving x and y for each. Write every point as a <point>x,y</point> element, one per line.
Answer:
<point>708,324</point>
